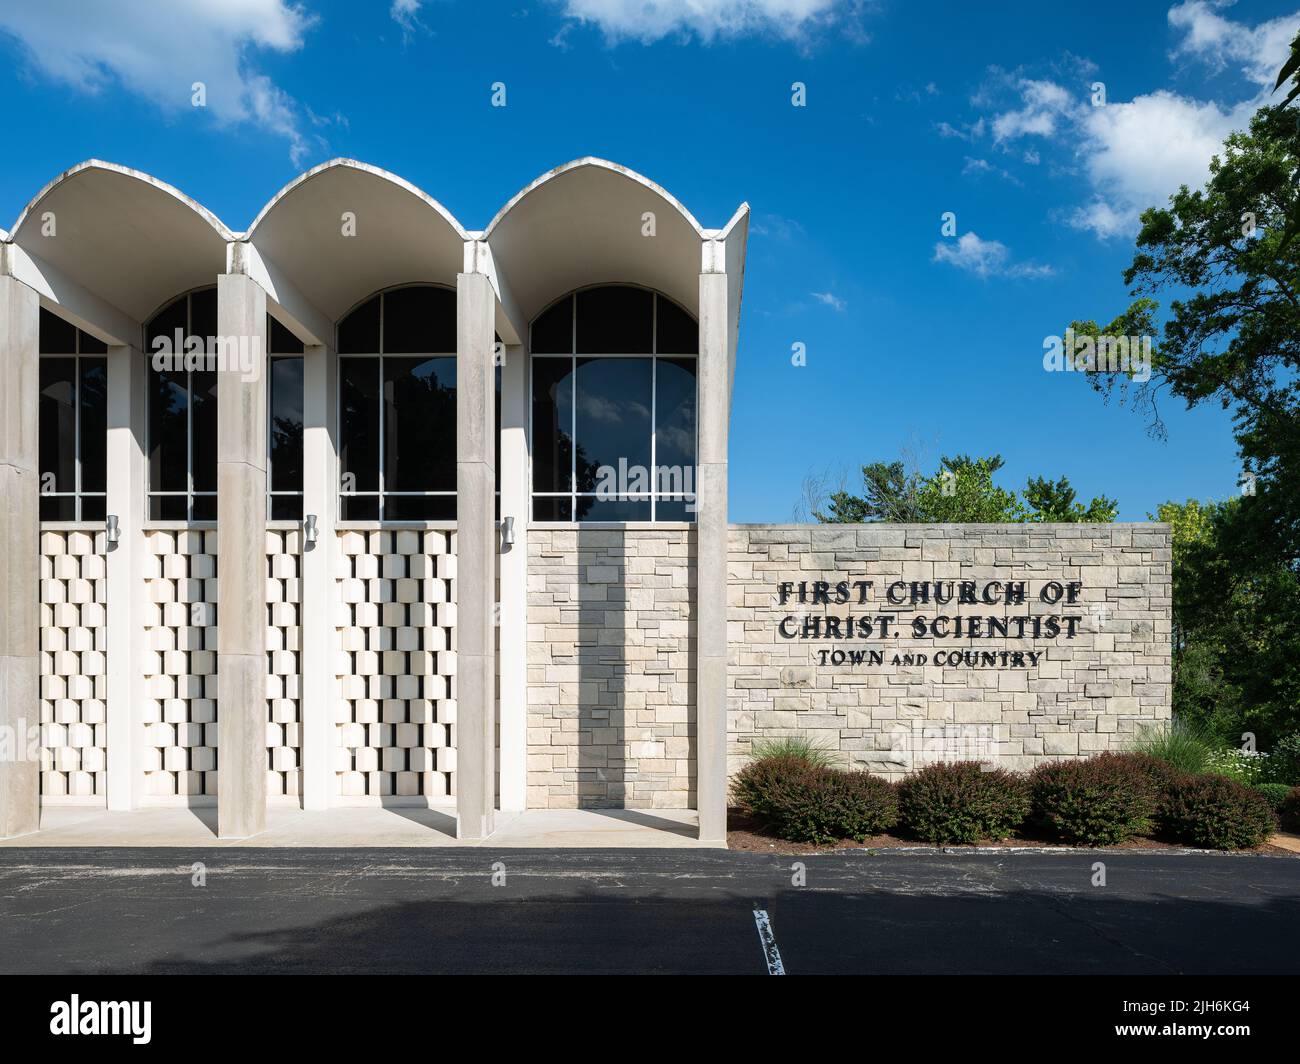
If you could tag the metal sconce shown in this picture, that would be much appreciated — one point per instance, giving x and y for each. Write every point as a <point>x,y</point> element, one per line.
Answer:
<point>507,533</point>
<point>112,531</point>
<point>310,532</point>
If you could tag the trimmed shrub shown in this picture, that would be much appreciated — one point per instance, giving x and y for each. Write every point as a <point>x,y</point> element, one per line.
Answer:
<point>766,787</point>
<point>1181,745</point>
<point>1274,794</point>
<point>961,802</point>
<point>1159,774</point>
<point>804,802</point>
<point>1219,813</point>
<point>1289,810</point>
<point>1097,801</point>
<point>838,805</point>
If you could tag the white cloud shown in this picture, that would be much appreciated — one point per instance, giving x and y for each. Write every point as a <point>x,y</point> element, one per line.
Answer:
<point>985,258</point>
<point>1259,50</point>
<point>1137,154</point>
<point>778,228</point>
<point>160,54</point>
<point>1046,105</point>
<point>652,20</point>
<point>406,13</point>
<point>830,299</point>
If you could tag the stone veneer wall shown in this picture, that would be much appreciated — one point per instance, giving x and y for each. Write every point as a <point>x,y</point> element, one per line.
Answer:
<point>611,668</point>
<point>1087,694</point>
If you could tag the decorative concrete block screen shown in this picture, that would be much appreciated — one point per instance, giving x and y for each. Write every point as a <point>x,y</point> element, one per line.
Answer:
<point>180,664</point>
<point>611,668</point>
<point>284,657</point>
<point>901,644</point>
<point>74,680</point>
<point>396,713</point>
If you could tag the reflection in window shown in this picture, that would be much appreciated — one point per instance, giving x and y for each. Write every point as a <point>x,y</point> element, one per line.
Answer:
<point>613,418</point>
<point>284,431</point>
<point>72,423</point>
<point>397,407</point>
<point>182,410</point>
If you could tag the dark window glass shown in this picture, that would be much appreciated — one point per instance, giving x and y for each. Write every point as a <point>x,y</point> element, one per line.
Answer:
<point>419,507</point>
<point>58,508</point>
<point>93,508</point>
<point>359,428</point>
<point>286,424</point>
<point>280,340</point>
<point>419,321</point>
<point>88,345</point>
<point>552,424</point>
<point>168,421</point>
<point>553,331</point>
<point>205,508</point>
<point>167,508</point>
<point>286,507</point>
<point>676,508</point>
<point>552,508</point>
<point>615,320</point>
<point>203,425</point>
<point>58,425</point>
<point>359,331</point>
<point>613,422</point>
<point>164,327</point>
<point>676,332</point>
<point>94,423</point>
<point>419,424</point>
<point>360,507</point>
<point>203,316</point>
<point>675,416</point>
<point>57,337</point>
<point>612,509</point>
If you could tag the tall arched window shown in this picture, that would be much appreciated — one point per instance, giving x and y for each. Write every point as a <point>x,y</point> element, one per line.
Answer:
<point>73,422</point>
<point>182,409</point>
<point>397,407</point>
<point>613,408</point>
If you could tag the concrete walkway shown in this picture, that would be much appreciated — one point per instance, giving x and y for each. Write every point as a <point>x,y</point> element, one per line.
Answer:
<point>371,827</point>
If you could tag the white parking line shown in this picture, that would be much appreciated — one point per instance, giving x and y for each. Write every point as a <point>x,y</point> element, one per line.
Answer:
<point>768,942</point>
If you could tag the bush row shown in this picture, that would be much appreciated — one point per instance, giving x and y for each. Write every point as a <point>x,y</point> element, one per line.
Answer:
<point>1096,801</point>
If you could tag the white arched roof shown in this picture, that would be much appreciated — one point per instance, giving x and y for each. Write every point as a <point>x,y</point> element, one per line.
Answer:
<point>125,242</point>
<point>129,238</point>
<point>402,234</point>
<point>583,223</point>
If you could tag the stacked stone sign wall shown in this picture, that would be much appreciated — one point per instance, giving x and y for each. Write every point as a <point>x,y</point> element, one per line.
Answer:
<point>901,644</point>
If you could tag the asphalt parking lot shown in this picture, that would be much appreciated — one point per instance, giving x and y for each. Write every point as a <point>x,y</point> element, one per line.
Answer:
<point>149,911</point>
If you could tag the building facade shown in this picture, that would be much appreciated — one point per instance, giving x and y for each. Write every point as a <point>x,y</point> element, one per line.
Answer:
<point>360,506</point>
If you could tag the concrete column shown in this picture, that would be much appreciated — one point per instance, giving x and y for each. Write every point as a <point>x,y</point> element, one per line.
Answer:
<point>512,632</point>
<point>241,560</point>
<point>126,584</point>
<point>714,407</point>
<point>319,593</point>
<point>20,712</point>
<point>476,540</point>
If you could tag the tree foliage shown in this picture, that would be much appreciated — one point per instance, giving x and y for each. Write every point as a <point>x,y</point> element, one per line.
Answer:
<point>961,491</point>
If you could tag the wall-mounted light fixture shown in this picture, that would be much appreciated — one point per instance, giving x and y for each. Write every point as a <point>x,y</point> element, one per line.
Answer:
<point>112,531</point>
<point>507,533</point>
<point>310,533</point>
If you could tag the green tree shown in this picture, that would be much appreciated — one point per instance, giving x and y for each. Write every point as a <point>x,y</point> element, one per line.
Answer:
<point>1055,502</point>
<point>961,491</point>
<point>1233,332</point>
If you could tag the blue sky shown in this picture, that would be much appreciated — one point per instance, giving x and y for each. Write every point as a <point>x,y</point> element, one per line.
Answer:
<point>914,341</point>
